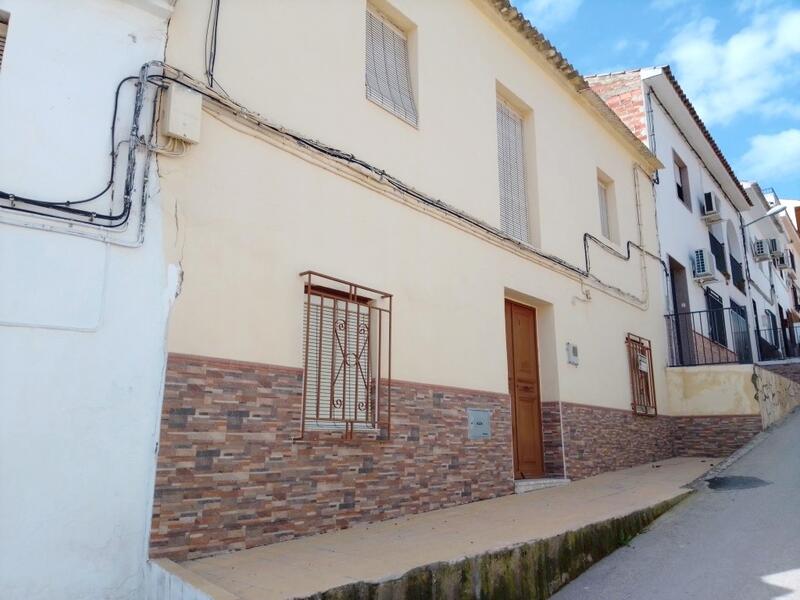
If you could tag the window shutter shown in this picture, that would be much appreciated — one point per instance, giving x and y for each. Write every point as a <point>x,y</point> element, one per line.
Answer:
<point>511,167</point>
<point>388,76</point>
<point>3,31</point>
<point>338,361</point>
<point>603,195</point>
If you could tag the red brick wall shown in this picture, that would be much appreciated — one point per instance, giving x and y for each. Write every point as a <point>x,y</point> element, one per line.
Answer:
<point>604,439</point>
<point>713,435</point>
<point>230,475</point>
<point>623,94</point>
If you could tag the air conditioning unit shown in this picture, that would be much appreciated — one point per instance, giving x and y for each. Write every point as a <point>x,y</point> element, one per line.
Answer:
<point>710,207</point>
<point>762,249</point>
<point>704,268</point>
<point>783,261</point>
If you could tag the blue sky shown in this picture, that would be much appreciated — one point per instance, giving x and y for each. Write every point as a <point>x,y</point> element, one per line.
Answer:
<point>738,61</point>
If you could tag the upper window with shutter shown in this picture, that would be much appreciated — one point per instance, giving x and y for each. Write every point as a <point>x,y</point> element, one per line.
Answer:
<point>3,32</point>
<point>602,193</point>
<point>681,180</point>
<point>388,76</point>
<point>511,171</point>
<point>606,195</point>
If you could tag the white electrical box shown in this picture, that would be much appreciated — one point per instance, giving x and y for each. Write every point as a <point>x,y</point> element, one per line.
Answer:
<point>182,112</point>
<point>572,354</point>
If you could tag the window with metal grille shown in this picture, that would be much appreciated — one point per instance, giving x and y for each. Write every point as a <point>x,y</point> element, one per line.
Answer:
<point>716,317</point>
<point>388,73</point>
<point>681,180</point>
<point>640,361</point>
<point>3,33</point>
<point>346,356</point>
<point>511,170</point>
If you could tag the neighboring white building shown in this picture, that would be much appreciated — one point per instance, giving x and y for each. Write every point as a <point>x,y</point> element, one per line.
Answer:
<point>773,278</point>
<point>700,207</point>
<point>84,306</point>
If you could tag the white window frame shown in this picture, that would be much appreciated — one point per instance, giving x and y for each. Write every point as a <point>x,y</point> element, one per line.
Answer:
<point>389,86</point>
<point>514,205</point>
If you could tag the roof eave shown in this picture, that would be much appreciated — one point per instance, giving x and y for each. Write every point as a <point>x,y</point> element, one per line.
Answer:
<point>666,71</point>
<point>575,80</point>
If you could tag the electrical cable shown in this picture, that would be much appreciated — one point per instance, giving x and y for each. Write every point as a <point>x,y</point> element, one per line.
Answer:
<point>243,112</point>
<point>221,98</point>
<point>14,198</point>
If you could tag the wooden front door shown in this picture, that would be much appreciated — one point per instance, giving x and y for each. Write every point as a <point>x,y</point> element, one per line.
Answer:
<point>523,385</point>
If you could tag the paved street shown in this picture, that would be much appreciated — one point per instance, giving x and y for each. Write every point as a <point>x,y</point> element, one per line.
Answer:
<point>732,544</point>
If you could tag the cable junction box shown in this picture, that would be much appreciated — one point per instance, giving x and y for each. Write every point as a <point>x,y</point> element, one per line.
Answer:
<point>182,113</point>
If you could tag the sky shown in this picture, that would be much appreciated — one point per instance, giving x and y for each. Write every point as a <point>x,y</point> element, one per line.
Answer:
<point>737,60</point>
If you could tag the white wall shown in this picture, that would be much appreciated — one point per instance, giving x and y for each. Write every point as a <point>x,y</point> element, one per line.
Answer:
<point>81,322</point>
<point>682,231</point>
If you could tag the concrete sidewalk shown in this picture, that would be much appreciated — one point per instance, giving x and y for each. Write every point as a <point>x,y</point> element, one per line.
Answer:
<point>387,550</point>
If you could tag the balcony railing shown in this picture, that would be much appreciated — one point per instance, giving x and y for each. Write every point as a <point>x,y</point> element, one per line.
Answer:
<point>737,274</point>
<point>718,250</point>
<point>708,337</point>
<point>775,344</point>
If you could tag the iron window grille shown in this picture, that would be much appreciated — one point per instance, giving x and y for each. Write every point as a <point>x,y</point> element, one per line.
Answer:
<point>643,389</point>
<point>737,274</point>
<point>347,337</point>
<point>716,318</point>
<point>511,171</point>
<point>388,76</point>
<point>718,250</point>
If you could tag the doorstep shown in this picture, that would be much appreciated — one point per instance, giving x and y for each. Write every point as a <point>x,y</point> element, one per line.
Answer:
<point>523,486</point>
<point>414,550</point>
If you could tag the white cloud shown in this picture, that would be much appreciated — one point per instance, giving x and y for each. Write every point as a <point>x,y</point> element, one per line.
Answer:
<point>633,46</point>
<point>745,73</point>
<point>772,157</point>
<point>547,14</point>
<point>667,4</point>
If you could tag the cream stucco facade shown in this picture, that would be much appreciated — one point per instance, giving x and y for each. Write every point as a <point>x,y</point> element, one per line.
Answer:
<point>251,211</point>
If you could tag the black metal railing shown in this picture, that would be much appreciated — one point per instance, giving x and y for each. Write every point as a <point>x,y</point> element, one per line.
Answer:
<point>718,250</point>
<point>776,344</point>
<point>737,274</point>
<point>770,343</point>
<point>708,337</point>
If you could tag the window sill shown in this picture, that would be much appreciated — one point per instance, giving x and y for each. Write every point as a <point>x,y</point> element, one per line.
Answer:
<point>314,425</point>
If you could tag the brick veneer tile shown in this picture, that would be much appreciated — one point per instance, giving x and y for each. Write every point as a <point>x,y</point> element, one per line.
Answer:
<point>231,476</point>
<point>598,439</point>
<point>714,435</point>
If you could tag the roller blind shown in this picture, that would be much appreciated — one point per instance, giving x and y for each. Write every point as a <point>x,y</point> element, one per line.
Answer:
<point>602,193</point>
<point>338,366</point>
<point>3,31</point>
<point>388,75</point>
<point>511,167</point>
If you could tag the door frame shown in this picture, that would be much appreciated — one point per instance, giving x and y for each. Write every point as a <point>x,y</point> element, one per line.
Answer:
<point>512,393</point>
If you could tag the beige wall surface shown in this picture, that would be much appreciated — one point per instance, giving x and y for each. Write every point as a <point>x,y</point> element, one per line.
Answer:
<point>711,390</point>
<point>777,395</point>
<point>732,390</point>
<point>250,215</point>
